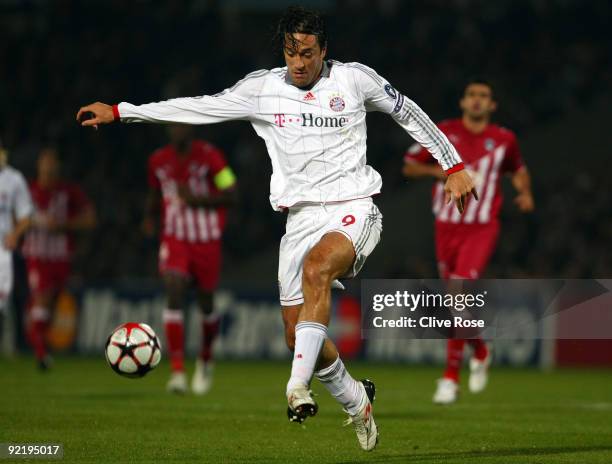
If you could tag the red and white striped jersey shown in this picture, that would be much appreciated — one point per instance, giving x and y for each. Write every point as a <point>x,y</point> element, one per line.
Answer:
<point>60,203</point>
<point>487,156</point>
<point>197,170</point>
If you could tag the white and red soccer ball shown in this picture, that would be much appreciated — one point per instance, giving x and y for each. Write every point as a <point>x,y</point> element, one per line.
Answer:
<point>133,349</point>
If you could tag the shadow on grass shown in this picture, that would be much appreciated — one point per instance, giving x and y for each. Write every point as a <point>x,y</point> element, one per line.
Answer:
<point>407,416</point>
<point>106,395</point>
<point>471,456</point>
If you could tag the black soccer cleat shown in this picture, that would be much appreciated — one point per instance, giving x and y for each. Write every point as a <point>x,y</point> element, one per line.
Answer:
<point>370,389</point>
<point>302,412</point>
<point>301,404</point>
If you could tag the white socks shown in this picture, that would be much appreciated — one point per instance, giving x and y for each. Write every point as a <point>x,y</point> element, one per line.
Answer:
<point>309,339</point>
<point>347,391</point>
<point>172,316</point>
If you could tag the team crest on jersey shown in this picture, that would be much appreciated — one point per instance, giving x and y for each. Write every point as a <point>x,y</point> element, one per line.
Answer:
<point>336,103</point>
<point>489,144</point>
<point>390,91</point>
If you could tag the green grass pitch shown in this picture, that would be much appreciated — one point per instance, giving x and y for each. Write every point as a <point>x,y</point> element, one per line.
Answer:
<point>525,416</point>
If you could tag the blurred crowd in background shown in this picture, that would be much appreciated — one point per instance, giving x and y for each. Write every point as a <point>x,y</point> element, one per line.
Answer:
<point>545,58</point>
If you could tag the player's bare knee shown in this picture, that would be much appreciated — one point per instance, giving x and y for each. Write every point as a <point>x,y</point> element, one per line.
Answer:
<point>175,301</point>
<point>43,299</point>
<point>175,296</point>
<point>206,301</point>
<point>176,287</point>
<point>316,271</point>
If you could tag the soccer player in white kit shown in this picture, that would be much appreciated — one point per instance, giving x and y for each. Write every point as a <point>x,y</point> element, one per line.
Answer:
<point>311,114</point>
<point>15,215</point>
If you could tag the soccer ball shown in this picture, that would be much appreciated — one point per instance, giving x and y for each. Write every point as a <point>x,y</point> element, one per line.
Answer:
<point>133,349</point>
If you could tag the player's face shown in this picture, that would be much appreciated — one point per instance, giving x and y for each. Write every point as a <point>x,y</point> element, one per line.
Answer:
<point>48,167</point>
<point>304,58</point>
<point>477,101</point>
<point>179,133</point>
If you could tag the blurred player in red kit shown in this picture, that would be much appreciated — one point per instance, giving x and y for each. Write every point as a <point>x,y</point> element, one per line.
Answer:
<point>61,209</point>
<point>465,241</point>
<point>195,185</point>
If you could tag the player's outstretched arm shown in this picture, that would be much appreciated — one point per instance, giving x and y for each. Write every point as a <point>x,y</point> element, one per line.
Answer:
<point>413,170</point>
<point>379,95</point>
<point>95,114</point>
<point>235,103</point>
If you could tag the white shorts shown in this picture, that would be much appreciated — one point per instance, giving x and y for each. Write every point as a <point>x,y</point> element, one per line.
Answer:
<point>6,277</point>
<point>359,220</point>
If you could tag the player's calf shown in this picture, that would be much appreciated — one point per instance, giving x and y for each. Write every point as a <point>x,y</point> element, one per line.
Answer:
<point>309,339</point>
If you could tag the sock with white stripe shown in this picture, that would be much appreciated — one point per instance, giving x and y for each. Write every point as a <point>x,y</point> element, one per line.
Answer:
<point>347,391</point>
<point>309,339</point>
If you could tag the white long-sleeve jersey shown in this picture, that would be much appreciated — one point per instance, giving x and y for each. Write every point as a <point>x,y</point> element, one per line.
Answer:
<point>15,200</point>
<point>316,138</point>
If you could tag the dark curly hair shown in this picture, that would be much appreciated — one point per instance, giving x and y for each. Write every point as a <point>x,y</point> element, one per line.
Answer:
<point>301,20</point>
<point>478,80</point>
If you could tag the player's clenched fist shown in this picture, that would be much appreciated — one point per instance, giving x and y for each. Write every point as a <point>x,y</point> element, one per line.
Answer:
<point>94,114</point>
<point>459,186</point>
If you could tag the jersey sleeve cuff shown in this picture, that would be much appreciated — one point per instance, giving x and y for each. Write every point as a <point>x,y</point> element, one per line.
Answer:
<point>455,168</point>
<point>116,115</point>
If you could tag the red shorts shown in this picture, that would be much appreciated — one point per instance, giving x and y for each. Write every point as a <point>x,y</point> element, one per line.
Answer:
<point>202,261</point>
<point>47,276</point>
<point>464,250</point>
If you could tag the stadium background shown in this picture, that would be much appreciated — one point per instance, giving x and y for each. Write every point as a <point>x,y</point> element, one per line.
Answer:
<point>550,63</point>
